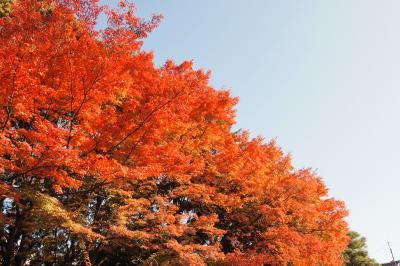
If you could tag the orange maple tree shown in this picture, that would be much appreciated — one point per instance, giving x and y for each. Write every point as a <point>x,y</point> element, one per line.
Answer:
<point>106,159</point>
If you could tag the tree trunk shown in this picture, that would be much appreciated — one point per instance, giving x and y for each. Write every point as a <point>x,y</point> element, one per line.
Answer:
<point>9,254</point>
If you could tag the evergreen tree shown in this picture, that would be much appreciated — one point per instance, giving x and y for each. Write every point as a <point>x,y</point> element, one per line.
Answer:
<point>356,253</point>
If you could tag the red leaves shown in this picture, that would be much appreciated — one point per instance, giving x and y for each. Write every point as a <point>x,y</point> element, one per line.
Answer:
<point>85,114</point>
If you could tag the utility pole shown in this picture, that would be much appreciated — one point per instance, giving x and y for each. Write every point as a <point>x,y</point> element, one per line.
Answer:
<point>391,251</point>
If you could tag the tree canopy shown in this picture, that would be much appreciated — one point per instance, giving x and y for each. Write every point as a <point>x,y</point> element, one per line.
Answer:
<point>356,253</point>
<point>106,159</point>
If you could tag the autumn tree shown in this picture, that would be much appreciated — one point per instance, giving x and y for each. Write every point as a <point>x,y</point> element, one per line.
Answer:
<point>106,159</point>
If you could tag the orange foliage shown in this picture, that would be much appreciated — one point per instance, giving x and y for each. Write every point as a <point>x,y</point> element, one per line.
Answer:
<point>85,111</point>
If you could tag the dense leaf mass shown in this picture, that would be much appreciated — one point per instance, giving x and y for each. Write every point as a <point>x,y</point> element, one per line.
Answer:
<point>106,159</point>
<point>356,253</point>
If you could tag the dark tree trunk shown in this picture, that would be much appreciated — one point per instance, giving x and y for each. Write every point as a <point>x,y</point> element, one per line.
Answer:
<point>9,254</point>
<point>19,257</point>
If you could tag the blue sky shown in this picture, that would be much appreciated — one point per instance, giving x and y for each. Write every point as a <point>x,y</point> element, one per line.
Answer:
<point>320,76</point>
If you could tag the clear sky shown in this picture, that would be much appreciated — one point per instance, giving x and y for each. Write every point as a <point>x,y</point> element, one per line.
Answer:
<point>320,76</point>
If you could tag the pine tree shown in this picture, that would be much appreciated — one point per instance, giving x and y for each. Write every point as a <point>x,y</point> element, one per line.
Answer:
<point>356,253</point>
